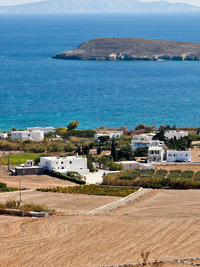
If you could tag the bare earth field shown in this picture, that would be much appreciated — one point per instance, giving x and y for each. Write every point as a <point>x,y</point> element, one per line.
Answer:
<point>65,203</point>
<point>33,181</point>
<point>165,223</point>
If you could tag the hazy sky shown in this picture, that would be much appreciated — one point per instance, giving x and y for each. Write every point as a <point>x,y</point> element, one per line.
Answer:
<point>17,2</point>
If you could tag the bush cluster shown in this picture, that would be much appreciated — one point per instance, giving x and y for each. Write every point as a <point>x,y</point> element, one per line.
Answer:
<point>64,177</point>
<point>4,188</point>
<point>175,180</point>
<point>79,133</point>
<point>93,190</point>
<point>37,147</point>
<point>174,174</point>
<point>160,174</point>
<point>187,174</point>
<point>197,176</point>
<point>148,173</point>
<point>12,204</point>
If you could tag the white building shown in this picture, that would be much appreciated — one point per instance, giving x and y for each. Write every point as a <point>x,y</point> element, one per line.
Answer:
<point>3,135</point>
<point>43,129</point>
<point>145,140</point>
<point>173,156</point>
<point>156,154</point>
<point>28,135</point>
<point>115,135</point>
<point>136,165</point>
<point>172,133</point>
<point>65,164</point>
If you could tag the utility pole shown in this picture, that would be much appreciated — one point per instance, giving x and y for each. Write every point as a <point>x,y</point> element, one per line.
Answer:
<point>8,163</point>
<point>20,195</point>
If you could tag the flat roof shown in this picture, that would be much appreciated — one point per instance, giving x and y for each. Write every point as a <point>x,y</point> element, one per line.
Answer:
<point>156,148</point>
<point>171,150</point>
<point>31,167</point>
<point>61,158</point>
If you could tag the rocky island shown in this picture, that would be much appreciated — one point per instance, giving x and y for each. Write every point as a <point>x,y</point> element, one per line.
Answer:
<point>121,48</point>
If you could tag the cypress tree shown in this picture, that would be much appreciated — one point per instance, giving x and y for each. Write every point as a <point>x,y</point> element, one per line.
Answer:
<point>99,150</point>
<point>89,163</point>
<point>113,151</point>
<point>79,150</point>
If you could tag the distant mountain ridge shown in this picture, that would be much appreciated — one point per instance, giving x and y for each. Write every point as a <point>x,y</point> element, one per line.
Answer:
<point>66,6</point>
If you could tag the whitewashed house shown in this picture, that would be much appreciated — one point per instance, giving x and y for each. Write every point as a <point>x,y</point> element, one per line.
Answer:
<point>115,135</point>
<point>183,156</point>
<point>43,129</point>
<point>145,140</point>
<point>64,164</point>
<point>156,154</point>
<point>3,135</point>
<point>28,135</point>
<point>175,133</point>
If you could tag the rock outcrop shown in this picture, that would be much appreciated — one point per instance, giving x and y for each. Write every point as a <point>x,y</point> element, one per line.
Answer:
<point>120,48</point>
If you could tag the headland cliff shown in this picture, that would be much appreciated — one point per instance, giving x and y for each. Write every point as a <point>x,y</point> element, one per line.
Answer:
<point>121,48</point>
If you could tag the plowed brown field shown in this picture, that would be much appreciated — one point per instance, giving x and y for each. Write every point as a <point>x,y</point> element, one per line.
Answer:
<point>166,223</point>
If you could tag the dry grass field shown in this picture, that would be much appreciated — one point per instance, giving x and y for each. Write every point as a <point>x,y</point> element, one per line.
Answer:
<point>165,223</point>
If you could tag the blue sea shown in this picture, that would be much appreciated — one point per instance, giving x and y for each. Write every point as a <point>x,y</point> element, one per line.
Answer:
<point>36,90</point>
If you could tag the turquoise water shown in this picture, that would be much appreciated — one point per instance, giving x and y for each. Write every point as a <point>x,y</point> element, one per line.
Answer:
<point>38,91</point>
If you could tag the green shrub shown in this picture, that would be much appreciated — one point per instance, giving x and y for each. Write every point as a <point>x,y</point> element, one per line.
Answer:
<point>4,188</point>
<point>93,190</point>
<point>141,152</point>
<point>131,176</point>
<point>147,173</point>
<point>137,172</point>
<point>64,177</point>
<point>174,174</point>
<point>167,183</point>
<point>187,174</point>
<point>79,133</point>
<point>3,185</point>
<point>197,176</point>
<point>160,174</point>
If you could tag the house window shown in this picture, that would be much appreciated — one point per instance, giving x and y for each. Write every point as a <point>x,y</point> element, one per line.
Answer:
<point>62,167</point>
<point>61,162</point>
<point>169,155</point>
<point>70,162</point>
<point>23,171</point>
<point>52,168</point>
<point>36,170</point>
<point>56,162</point>
<point>186,155</point>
